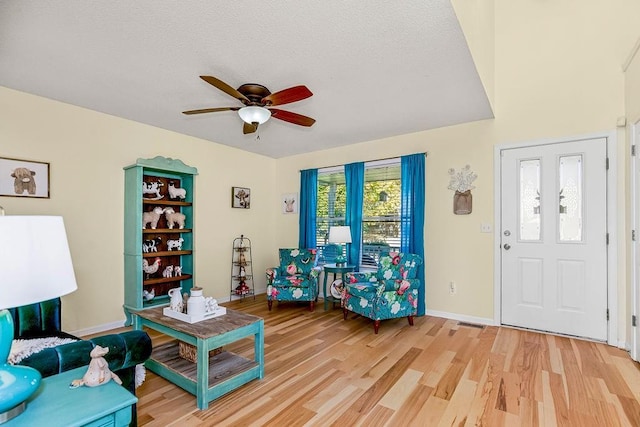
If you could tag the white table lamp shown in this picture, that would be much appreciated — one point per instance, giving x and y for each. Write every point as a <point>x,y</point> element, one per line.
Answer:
<point>340,235</point>
<point>36,266</point>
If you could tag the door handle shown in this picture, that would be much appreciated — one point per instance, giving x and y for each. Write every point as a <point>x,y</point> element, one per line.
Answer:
<point>507,246</point>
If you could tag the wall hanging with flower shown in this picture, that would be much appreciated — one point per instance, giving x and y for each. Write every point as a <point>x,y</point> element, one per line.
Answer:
<point>460,182</point>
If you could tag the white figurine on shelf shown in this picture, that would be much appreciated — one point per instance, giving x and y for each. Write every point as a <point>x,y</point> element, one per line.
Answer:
<point>177,270</point>
<point>174,217</point>
<point>175,244</point>
<point>168,271</point>
<point>151,245</point>
<point>176,193</point>
<point>152,188</point>
<point>152,217</point>
<point>148,296</point>
<point>151,268</point>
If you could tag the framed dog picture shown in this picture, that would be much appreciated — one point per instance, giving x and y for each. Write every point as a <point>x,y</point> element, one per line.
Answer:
<point>24,178</point>
<point>240,197</point>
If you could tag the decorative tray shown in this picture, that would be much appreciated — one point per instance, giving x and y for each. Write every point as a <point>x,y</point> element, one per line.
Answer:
<point>220,311</point>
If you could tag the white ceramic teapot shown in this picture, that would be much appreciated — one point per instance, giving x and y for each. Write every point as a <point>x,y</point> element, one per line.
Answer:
<point>176,303</point>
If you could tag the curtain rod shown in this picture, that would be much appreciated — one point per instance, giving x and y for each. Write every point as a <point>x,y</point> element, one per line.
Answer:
<point>365,161</point>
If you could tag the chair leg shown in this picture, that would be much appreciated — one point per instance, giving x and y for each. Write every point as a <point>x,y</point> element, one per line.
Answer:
<point>270,303</point>
<point>344,313</point>
<point>376,326</point>
<point>312,306</point>
<point>410,319</point>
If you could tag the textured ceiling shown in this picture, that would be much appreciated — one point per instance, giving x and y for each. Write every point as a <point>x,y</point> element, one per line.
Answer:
<point>376,68</point>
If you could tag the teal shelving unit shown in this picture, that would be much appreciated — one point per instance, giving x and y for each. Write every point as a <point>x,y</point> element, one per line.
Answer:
<point>156,175</point>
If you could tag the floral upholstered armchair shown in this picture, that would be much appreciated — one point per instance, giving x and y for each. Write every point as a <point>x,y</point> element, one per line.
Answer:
<point>388,293</point>
<point>295,279</point>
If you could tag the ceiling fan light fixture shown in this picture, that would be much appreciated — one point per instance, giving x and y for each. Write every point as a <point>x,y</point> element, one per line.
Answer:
<point>254,114</point>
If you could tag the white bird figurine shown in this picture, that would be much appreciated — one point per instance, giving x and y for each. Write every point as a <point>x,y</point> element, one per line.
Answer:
<point>149,295</point>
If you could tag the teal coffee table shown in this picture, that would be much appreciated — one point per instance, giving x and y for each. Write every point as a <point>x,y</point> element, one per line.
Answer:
<point>211,375</point>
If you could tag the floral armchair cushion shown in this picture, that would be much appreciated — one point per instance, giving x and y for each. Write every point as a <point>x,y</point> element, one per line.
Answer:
<point>398,265</point>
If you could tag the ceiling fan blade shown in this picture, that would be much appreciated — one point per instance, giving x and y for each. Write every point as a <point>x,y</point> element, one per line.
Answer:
<point>290,117</point>
<point>286,96</point>
<point>211,110</point>
<point>249,127</point>
<point>225,88</point>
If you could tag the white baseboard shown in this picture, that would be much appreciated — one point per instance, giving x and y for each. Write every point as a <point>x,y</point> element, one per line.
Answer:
<point>490,322</point>
<point>97,329</point>
<point>461,317</point>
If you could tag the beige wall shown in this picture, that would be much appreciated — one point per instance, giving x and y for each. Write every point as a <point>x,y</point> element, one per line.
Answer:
<point>87,151</point>
<point>553,69</point>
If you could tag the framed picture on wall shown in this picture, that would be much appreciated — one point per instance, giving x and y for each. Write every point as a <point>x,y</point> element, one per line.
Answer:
<point>240,197</point>
<point>290,203</point>
<point>24,178</point>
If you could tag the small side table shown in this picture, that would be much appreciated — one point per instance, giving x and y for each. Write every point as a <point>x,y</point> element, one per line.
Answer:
<point>54,404</point>
<point>332,268</point>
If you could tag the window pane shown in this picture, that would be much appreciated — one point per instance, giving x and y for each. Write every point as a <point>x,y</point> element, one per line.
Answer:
<point>381,211</point>
<point>332,199</point>
<point>570,198</point>
<point>530,206</point>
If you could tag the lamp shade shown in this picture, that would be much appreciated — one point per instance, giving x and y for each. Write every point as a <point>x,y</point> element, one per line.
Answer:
<point>340,234</point>
<point>253,114</point>
<point>35,259</point>
<point>36,266</point>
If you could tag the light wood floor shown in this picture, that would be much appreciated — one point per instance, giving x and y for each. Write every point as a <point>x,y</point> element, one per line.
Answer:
<point>321,370</point>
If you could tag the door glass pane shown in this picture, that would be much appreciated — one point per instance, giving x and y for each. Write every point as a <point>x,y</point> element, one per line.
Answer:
<point>570,198</point>
<point>530,207</point>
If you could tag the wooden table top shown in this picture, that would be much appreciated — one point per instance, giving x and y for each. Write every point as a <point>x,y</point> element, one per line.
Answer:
<point>205,328</point>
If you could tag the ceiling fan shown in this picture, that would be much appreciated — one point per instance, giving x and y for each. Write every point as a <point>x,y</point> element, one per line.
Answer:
<point>257,101</point>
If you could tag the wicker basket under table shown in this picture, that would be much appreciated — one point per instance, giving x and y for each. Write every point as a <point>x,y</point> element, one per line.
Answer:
<point>189,352</point>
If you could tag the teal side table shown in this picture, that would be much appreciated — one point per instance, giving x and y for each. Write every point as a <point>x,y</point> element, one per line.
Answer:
<point>333,268</point>
<point>57,405</point>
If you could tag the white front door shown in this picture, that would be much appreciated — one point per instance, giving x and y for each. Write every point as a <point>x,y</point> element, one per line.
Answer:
<point>635,338</point>
<point>554,238</point>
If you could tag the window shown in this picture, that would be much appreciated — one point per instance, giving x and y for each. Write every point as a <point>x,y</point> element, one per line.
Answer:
<point>381,209</point>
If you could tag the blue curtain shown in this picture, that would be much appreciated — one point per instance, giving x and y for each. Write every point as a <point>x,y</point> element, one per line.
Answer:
<point>308,202</point>
<point>412,215</point>
<point>354,179</point>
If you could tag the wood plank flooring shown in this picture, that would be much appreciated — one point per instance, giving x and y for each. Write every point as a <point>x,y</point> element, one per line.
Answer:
<point>321,370</point>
